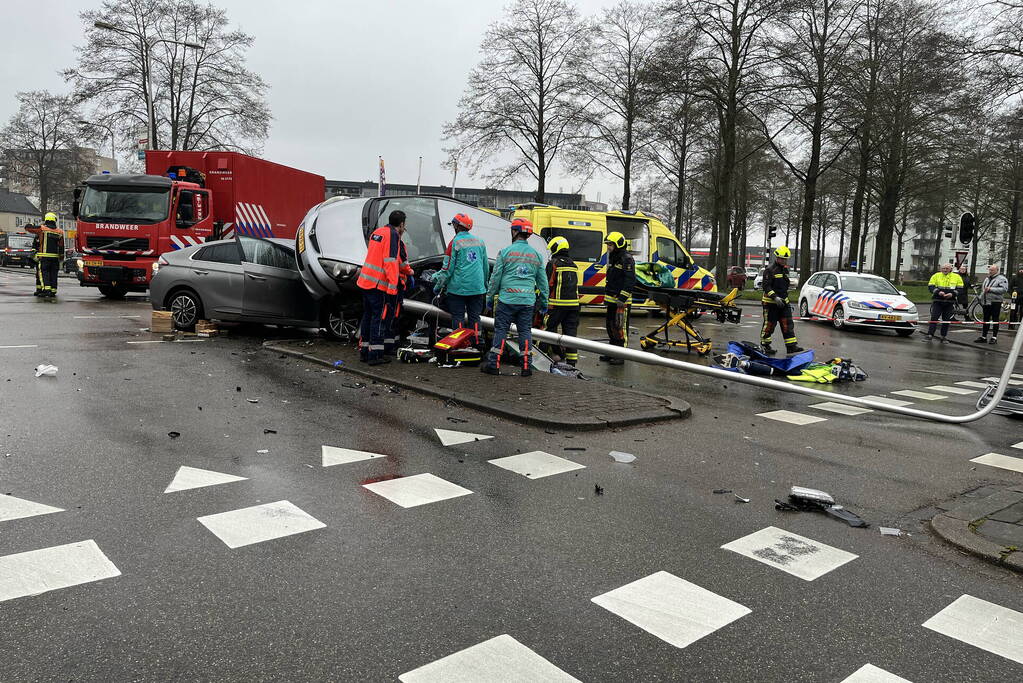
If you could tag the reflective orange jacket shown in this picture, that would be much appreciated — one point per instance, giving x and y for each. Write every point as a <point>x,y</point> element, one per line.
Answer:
<point>384,261</point>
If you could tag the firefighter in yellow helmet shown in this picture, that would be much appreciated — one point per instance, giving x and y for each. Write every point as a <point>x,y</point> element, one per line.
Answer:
<point>775,302</point>
<point>618,286</point>
<point>563,302</point>
<point>49,246</point>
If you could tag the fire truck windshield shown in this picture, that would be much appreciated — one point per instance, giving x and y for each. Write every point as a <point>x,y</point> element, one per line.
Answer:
<point>125,205</point>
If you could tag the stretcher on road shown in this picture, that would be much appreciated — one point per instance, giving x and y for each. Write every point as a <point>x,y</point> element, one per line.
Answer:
<point>681,309</point>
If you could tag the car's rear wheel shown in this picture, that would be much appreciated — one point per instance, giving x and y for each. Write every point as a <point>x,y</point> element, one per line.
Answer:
<point>804,309</point>
<point>904,333</point>
<point>186,309</point>
<point>113,291</point>
<point>838,318</point>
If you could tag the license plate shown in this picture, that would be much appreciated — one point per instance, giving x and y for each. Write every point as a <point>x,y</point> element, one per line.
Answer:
<point>301,241</point>
<point>92,264</point>
<point>892,318</point>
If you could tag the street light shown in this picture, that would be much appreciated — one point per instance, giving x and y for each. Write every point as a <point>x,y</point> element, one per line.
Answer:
<point>113,153</point>
<point>150,100</point>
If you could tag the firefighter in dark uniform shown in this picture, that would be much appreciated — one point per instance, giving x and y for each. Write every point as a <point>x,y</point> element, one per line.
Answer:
<point>777,310</point>
<point>49,246</point>
<point>618,286</point>
<point>563,303</point>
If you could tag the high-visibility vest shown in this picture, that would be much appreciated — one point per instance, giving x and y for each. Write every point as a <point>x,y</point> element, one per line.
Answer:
<point>383,256</point>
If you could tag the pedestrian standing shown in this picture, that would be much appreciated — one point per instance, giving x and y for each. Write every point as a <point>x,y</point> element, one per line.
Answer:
<point>49,246</point>
<point>463,276</point>
<point>618,286</point>
<point>992,293</point>
<point>775,303</point>
<point>520,285</point>
<point>945,287</point>
<point>1016,314</point>
<point>963,298</point>
<point>563,280</point>
<point>379,279</point>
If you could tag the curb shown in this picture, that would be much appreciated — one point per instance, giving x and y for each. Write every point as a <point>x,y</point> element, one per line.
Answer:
<point>957,525</point>
<point>978,347</point>
<point>680,409</point>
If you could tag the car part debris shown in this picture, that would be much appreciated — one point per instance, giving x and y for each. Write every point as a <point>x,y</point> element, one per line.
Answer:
<point>263,450</point>
<point>269,431</point>
<point>622,457</point>
<point>252,400</point>
<point>598,489</point>
<point>889,531</point>
<point>803,499</point>
<point>46,370</point>
<point>722,490</point>
<point>173,435</point>
<point>740,499</point>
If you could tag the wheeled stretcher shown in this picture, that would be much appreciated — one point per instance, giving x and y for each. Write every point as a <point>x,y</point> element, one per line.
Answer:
<point>681,309</point>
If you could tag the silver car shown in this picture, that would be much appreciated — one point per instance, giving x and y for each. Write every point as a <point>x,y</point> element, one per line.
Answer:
<point>245,279</point>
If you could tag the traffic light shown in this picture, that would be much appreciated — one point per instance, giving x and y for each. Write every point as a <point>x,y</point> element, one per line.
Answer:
<point>967,224</point>
<point>771,233</point>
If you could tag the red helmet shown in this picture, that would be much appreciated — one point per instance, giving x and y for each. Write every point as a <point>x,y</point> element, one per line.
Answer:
<point>463,220</point>
<point>522,225</point>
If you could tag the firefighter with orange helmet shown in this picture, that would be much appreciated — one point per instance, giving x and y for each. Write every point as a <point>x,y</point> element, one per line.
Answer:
<point>463,276</point>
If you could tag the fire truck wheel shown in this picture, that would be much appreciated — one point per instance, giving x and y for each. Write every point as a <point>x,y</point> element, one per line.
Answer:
<point>186,309</point>
<point>112,292</point>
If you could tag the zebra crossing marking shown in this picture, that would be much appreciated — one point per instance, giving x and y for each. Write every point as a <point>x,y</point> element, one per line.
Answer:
<point>982,624</point>
<point>420,489</point>
<point>868,673</point>
<point>791,417</point>
<point>331,455</point>
<point>500,660</point>
<point>19,508</point>
<point>536,464</point>
<point>794,554</point>
<point>187,478</point>
<point>259,523</point>
<point>1005,462</point>
<point>50,569</point>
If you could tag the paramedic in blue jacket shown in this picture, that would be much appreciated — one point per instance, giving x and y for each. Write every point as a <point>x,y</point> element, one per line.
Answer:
<point>519,282</point>
<point>463,276</point>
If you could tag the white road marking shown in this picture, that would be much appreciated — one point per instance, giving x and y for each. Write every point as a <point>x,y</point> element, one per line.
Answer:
<point>450,437</point>
<point>153,341</point>
<point>797,555</point>
<point>673,609</point>
<point>888,401</point>
<point>974,385</point>
<point>791,417</point>
<point>1006,462</point>
<point>21,346</point>
<point>868,673</point>
<point>959,391</point>
<point>982,624</point>
<point>104,317</point>
<point>420,489</point>
<point>840,408</point>
<point>1017,445</point>
<point>919,394</point>
<point>260,523</point>
<point>536,464</point>
<point>332,455</point>
<point>194,478</point>
<point>49,569</point>
<point>19,508</point>
<point>1016,376</point>
<point>1012,382</point>
<point>500,660</point>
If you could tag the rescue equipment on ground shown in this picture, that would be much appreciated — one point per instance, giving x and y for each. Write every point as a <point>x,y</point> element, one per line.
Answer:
<point>681,308</point>
<point>1010,405</point>
<point>458,348</point>
<point>811,500</point>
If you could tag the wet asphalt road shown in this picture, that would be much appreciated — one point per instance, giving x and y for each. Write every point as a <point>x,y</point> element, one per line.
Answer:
<point>382,590</point>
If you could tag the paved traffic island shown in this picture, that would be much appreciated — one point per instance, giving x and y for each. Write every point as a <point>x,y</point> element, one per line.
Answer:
<point>987,522</point>
<point>543,400</point>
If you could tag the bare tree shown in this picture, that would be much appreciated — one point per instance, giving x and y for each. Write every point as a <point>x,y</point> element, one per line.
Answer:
<point>811,66</point>
<point>522,98</point>
<point>204,98</point>
<point>40,145</point>
<point>617,92</point>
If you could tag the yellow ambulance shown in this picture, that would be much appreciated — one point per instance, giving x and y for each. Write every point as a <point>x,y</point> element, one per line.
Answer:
<point>650,241</point>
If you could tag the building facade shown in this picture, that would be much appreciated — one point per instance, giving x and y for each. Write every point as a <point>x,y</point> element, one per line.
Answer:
<point>16,211</point>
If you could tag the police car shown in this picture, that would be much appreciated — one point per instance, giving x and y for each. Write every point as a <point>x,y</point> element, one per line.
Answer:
<point>846,298</point>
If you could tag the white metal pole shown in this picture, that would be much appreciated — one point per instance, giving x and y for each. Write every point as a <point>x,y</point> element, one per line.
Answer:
<point>419,177</point>
<point>454,178</point>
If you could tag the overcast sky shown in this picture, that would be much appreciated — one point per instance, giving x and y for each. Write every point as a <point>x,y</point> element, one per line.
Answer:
<point>349,80</point>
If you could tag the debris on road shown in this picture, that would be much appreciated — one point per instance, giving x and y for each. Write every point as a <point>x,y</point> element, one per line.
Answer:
<point>619,456</point>
<point>46,370</point>
<point>889,531</point>
<point>598,489</point>
<point>173,435</point>
<point>722,490</point>
<point>263,450</point>
<point>740,499</point>
<point>252,400</point>
<point>269,431</point>
<point>802,499</point>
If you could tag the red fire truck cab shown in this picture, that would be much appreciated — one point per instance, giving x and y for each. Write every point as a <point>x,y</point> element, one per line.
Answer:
<point>126,221</point>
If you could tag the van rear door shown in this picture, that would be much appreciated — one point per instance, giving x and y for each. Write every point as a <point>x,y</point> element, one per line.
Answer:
<point>636,230</point>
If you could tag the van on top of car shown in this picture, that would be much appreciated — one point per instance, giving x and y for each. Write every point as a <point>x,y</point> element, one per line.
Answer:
<point>650,241</point>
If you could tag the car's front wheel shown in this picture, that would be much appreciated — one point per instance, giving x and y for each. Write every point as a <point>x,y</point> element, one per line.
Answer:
<point>186,309</point>
<point>838,318</point>
<point>804,309</point>
<point>340,323</point>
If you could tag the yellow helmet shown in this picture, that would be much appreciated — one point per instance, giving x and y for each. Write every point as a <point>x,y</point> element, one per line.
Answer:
<point>783,252</point>
<point>616,238</point>
<point>50,217</point>
<point>557,244</point>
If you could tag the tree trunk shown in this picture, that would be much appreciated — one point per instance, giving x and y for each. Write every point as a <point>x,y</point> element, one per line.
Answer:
<point>841,230</point>
<point>627,174</point>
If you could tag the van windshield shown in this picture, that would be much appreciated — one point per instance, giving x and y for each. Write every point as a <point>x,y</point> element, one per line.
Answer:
<point>125,205</point>
<point>19,242</point>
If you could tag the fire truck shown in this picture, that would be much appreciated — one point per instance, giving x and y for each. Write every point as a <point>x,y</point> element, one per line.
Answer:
<point>185,198</point>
